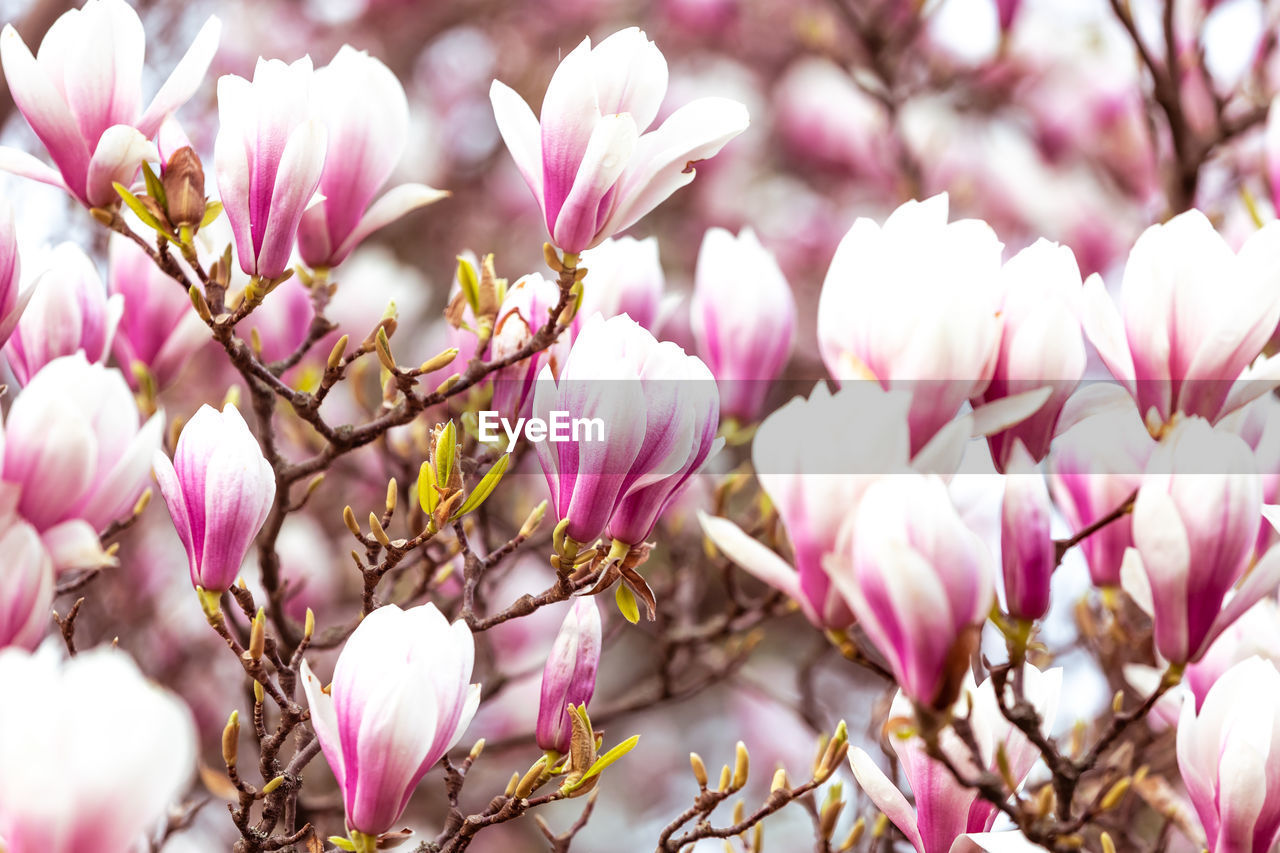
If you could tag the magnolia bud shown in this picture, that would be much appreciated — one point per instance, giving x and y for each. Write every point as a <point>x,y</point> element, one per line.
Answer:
<point>183,182</point>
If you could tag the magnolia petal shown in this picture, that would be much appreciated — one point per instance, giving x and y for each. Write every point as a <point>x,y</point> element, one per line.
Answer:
<point>1000,415</point>
<point>664,158</point>
<point>885,795</point>
<point>119,155</point>
<point>1104,328</point>
<point>755,558</point>
<point>185,79</point>
<point>74,545</point>
<point>394,204</point>
<point>519,130</point>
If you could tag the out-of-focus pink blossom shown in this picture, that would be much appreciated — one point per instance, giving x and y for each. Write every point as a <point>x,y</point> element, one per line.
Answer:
<point>1195,522</point>
<point>26,585</point>
<point>918,581</point>
<point>624,276</point>
<point>660,412</point>
<point>1095,466</point>
<point>92,757</point>
<point>1226,755</point>
<point>744,319</point>
<point>589,161</point>
<point>367,115</point>
<point>158,329</point>
<point>82,95</point>
<point>569,677</point>
<point>827,120</point>
<point>1041,343</point>
<point>945,810</point>
<point>74,445</point>
<point>268,157</point>
<point>68,312</point>
<point>219,489</point>
<point>915,302</point>
<point>1193,316</point>
<point>401,698</point>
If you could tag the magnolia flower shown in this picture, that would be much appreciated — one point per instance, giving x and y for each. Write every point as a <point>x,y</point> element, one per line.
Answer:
<point>918,581</point>
<point>1095,466</point>
<point>26,585</point>
<point>744,318</point>
<point>158,330</point>
<point>1226,760</point>
<point>1195,522</point>
<point>1041,344</point>
<point>401,698</point>
<point>659,410</point>
<point>523,312</point>
<point>626,278</point>
<point>589,161</point>
<point>68,312</point>
<point>569,677</point>
<point>92,756</point>
<point>1193,317</point>
<point>82,95</point>
<point>945,811</point>
<point>367,116</point>
<point>815,458</point>
<point>915,302</point>
<point>219,489</point>
<point>1027,550</point>
<point>268,156</point>
<point>81,460</point>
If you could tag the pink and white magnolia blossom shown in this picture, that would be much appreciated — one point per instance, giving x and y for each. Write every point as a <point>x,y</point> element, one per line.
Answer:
<point>919,582</point>
<point>401,698</point>
<point>591,161</point>
<point>67,312</point>
<point>625,278</point>
<point>915,302</point>
<point>945,811</point>
<point>815,458</point>
<point>524,311</point>
<point>744,318</point>
<point>26,584</point>
<point>74,444</point>
<point>1027,551</point>
<point>1195,522</point>
<point>268,156</point>
<point>660,411</point>
<point>1193,317</point>
<point>82,95</point>
<point>159,330</point>
<point>367,115</point>
<point>1096,464</point>
<point>1227,754</point>
<point>1041,343</point>
<point>569,678</point>
<point>93,755</point>
<point>218,489</point>
<point>13,298</point>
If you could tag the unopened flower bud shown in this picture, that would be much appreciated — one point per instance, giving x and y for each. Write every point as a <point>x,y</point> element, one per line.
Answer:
<point>569,677</point>
<point>184,189</point>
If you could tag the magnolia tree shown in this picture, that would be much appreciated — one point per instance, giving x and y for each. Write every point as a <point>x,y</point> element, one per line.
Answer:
<point>989,562</point>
